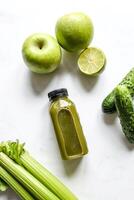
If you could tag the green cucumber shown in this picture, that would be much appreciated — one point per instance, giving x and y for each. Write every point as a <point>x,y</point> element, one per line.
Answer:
<point>108,105</point>
<point>125,110</point>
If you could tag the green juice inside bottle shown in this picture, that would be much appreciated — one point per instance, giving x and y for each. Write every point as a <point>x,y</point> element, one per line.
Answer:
<point>69,133</point>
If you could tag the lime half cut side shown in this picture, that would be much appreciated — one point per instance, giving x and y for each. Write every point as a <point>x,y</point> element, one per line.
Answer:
<point>91,61</point>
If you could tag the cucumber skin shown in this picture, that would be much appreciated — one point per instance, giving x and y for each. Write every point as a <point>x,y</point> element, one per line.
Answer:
<point>125,110</point>
<point>108,104</point>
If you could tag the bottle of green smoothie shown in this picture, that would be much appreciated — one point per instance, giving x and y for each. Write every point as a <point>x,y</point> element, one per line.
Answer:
<point>67,125</point>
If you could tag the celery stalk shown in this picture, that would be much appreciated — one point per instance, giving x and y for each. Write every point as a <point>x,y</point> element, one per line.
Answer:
<point>16,152</point>
<point>5,176</point>
<point>46,178</point>
<point>3,186</point>
<point>37,189</point>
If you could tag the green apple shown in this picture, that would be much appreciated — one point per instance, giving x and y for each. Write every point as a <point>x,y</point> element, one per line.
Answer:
<point>41,53</point>
<point>74,31</point>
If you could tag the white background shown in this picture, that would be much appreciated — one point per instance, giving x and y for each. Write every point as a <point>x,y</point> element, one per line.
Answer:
<point>107,172</point>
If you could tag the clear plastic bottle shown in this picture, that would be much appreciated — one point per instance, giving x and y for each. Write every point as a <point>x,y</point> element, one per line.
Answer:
<point>69,133</point>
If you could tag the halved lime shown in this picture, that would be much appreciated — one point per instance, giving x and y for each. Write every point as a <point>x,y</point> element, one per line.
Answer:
<point>91,61</point>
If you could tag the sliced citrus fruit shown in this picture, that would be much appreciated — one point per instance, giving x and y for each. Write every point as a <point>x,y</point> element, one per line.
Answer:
<point>91,61</point>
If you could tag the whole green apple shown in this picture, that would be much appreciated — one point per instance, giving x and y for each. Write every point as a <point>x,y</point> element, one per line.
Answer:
<point>74,31</point>
<point>41,53</point>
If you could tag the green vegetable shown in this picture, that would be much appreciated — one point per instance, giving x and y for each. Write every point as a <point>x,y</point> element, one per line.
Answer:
<point>37,189</point>
<point>125,109</point>
<point>3,185</point>
<point>14,185</point>
<point>108,104</point>
<point>16,152</point>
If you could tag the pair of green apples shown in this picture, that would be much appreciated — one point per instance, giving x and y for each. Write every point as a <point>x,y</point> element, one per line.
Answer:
<point>42,52</point>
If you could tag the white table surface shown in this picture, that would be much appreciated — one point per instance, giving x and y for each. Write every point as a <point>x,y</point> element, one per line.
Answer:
<point>107,172</point>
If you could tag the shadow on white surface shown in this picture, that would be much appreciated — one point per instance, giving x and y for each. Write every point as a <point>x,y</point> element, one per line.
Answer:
<point>109,118</point>
<point>124,140</point>
<point>88,82</point>
<point>71,165</point>
<point>40,81</point>
<point>69,61</point>
<point>129,145</point>
<point>70,64</point>
<point>9,195</point>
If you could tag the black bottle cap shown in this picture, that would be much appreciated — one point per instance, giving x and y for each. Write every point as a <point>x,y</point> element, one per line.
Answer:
<point>57,93</point>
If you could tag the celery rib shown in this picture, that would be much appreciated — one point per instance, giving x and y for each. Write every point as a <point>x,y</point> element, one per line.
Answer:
<point>46,178</point>
<point>36,188</point>
<point>3,185</point>
<point>16,152</point>
<point>5,176</point>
